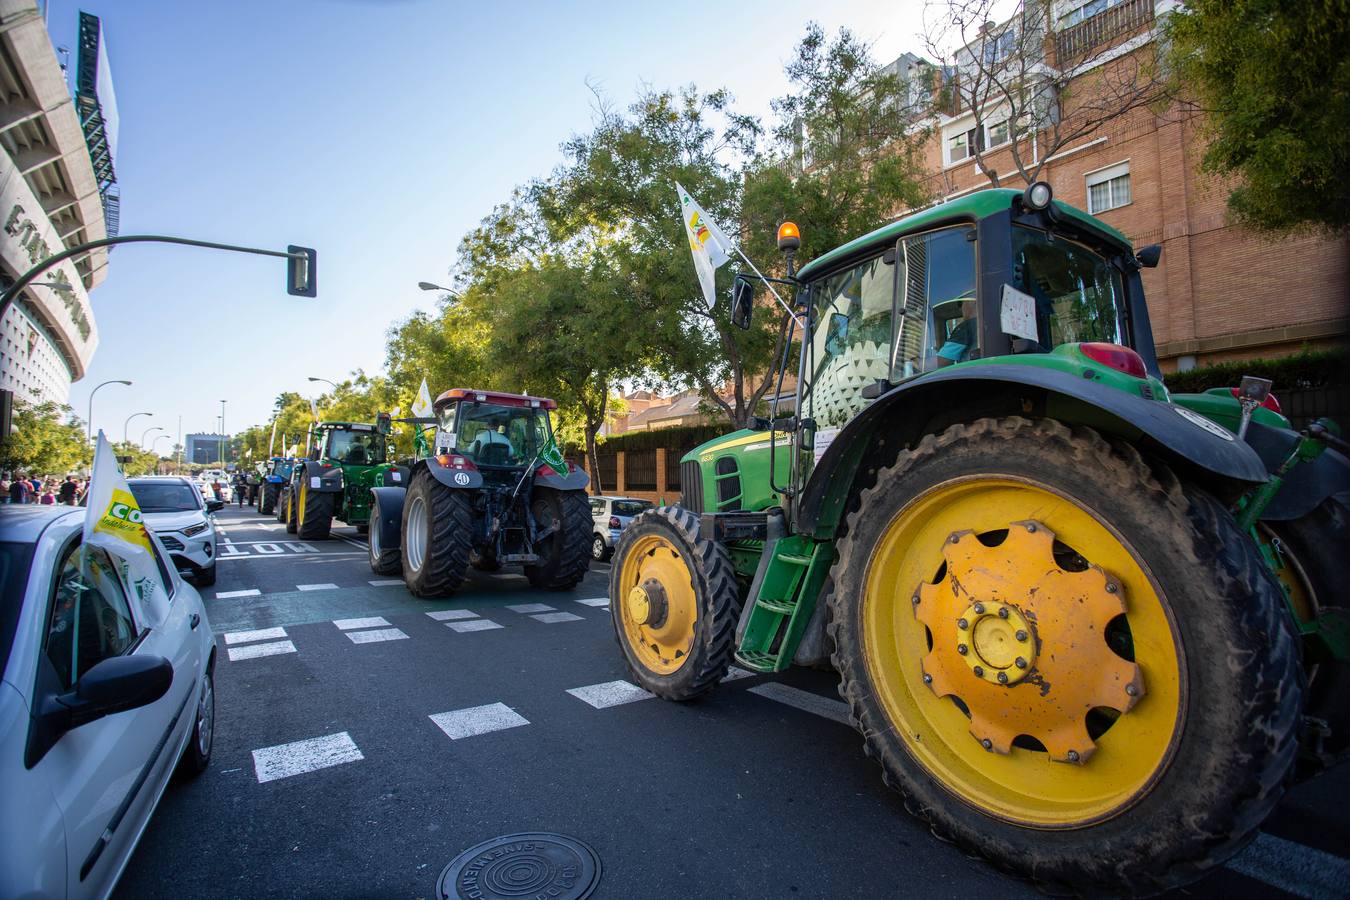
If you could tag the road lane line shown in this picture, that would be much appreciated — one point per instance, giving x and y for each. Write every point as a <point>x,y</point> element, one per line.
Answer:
<point>376,636</point>
<point>610,693</point>
<point>365,547</point>
<point>594,601</point>
<point>231,595</point>
<point>368,622</point>
<point>473,625</point>
<point>253,651</point>
<point>1293,868</point>
<point>388,582</point>
<point>299,757</point>
<point>804,700</point>
<point>555,617</point>
<point>326,586</point>
<point>445,615</point>
<point>262,634</point>
<point>462,723</point>
<point>341,554</point>
<point>524,608</point>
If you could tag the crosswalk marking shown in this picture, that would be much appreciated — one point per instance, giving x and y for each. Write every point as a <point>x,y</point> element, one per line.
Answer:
<point>253,651</point>
<point>594,601</point>
<point>1293,868</point>
<point>326,586</point>
<point>385,582</point>
<point>376,636</point>
<point>610,693</point>
<point>369,622</point>
<point>462,723</point>
<point>445,615</point>
<point>734,673</point>
<point>555,617</point>
<point>230,595</point>
<point>262,634</point>
<point>473,625</point>
<point>804,700</point>
<point>526,608</point>
<point>299,757</point>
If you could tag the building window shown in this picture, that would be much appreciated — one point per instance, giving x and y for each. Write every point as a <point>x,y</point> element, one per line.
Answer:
<point>961,146</point>
<point>997,133</point>
<point>1108,188</point>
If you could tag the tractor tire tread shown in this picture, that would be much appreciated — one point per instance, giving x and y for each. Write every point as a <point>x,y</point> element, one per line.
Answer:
<point>450,527</point>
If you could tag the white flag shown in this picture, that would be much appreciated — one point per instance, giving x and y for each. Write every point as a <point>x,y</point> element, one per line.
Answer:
<point>707,242</point>
<point>422,407</point>
<point>113,522</point>
<point>314,409</point>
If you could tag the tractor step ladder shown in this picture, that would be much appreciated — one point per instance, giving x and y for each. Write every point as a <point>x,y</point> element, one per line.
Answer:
<point>786,601</point>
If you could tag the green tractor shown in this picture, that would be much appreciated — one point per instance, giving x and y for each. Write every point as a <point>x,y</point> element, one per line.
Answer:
<point>345,461</point>
<point>1060,621</point>
<point>273,474</point>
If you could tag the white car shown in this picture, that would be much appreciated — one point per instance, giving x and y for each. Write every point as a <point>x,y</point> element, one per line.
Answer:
<point>609,517</point>
<point>97,710</point>
<point>204,486</point>
<point>180,515</point>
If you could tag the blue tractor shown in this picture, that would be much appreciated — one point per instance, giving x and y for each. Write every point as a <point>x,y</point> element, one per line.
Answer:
<point>273,474</point>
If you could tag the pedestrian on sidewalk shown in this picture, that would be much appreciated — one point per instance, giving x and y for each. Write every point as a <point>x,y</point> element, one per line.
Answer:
<point>69,489</point>
<point>20,490</point>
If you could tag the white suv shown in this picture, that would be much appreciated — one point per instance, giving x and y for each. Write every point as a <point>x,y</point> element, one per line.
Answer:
<point>175,510</point>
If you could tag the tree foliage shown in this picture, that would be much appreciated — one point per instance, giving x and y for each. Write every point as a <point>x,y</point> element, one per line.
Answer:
<point>47,440</point>
<point>1273,77</point>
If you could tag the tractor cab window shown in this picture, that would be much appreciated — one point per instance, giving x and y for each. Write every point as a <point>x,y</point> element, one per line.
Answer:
<point>362,448</point>
<point>1079,294</point>
<point>494,435</point>
<point>850,345</point>
<point>936,308</point>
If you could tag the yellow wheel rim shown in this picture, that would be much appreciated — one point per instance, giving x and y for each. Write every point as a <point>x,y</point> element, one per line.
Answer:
<point>300,512</point>
<point>1065,582</point>
<point>657,604</point>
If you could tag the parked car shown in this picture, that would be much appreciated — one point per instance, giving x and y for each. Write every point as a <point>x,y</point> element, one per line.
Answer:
<point>180,515</point>
<point>611,515</point>
<point>205,486</point>
<point>97,710</point>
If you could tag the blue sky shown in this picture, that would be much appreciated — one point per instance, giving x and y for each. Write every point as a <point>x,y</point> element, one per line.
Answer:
<point>376,132</point>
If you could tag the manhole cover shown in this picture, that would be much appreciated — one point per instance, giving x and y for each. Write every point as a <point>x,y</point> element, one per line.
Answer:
<point>522,865</point>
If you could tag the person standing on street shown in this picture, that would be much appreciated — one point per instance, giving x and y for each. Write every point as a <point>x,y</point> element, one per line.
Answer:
<point>67,492</point>
<point>20,490</point>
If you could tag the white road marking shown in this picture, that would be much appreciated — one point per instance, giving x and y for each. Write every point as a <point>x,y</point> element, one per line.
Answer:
<point>262,634</point>
<point>445,615</point>
<point>326,586</point>
<point>594,601</point>
<point>388,582</point>
<point>374,637</point>
<point>555,617</point>
<point>254,556</point>
<point>230,595</point>
<point>369,622</point>
<point>473,625</point>
<point>299,757</point>
<point>804,700</point>
<point>253,651</point>
<point>1293,868</point>
<point>363,546</point>
<point>611,693</point>
<point>735,672</point>
<point>462,723</point>
<point>531,608</point>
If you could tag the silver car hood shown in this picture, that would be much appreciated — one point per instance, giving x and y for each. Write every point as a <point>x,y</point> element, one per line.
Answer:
<point>173,521</point>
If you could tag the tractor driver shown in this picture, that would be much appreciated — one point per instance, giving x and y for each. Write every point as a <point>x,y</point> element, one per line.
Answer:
<point>963,338</point>
<point>485,443</point>
<point>357,452</point>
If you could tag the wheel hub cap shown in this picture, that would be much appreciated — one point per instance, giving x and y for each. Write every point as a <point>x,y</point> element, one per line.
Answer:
<point>1021,642</point>
<point>647,603</point>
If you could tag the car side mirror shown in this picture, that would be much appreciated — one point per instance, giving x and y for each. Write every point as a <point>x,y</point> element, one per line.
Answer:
<point>742,302</point>
<point>215,505</point>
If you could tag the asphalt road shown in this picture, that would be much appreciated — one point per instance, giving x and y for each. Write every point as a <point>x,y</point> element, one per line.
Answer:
<point>365,738</point>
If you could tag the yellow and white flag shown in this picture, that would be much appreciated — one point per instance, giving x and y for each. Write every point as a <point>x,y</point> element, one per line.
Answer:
<point>707,242</point>
<point>113,522</point>
<point>313,409</point>
<point>422,407</point>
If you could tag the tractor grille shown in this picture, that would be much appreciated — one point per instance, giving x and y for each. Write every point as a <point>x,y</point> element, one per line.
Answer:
<point>170,542</point>
<point>691,486</point>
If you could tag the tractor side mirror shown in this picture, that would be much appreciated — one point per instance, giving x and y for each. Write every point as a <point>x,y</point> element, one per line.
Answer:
<point>1149,256</point>
<point>742,302</point>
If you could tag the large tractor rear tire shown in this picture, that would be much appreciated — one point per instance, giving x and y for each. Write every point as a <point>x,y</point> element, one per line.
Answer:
<point>315,511</point>
<point>267,498</point>
<point>437,534</point>
<point>289,512</point>
<point>1066,660</point>
<point>565,555</point>
<point>674,600</point>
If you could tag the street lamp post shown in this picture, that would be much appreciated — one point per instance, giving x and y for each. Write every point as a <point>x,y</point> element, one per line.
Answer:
<point>428,286</point>
<point>126,426</point>
<point>89,425</point>
<point>153,444</point>
<point>147,431</point>
<point>222,434</point>
<point>324,380</point>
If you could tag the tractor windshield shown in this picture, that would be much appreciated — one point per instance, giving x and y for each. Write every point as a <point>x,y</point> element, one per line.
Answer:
<point>850,346</point>
<point>1078,294</point>
<point>497,435</point>
<point>362,448</point>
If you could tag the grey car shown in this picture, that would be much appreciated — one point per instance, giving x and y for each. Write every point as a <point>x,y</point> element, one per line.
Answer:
<point>610,516</point>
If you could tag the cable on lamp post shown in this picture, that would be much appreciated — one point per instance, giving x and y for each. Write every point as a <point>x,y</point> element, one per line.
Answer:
<point>89,423</point>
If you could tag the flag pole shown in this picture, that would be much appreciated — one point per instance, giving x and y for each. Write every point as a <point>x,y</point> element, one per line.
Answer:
<point>795,320</point>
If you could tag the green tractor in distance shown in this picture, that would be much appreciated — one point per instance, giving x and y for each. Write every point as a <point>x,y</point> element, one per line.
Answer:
<point>1050,589</point>
<point>273,474</point>
<point>345,461</point>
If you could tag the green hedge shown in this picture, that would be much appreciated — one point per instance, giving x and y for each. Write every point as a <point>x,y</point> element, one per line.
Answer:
<point>1304,370</point>
<point>681,438</point>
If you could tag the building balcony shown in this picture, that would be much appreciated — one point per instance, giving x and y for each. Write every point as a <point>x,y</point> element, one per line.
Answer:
<point>1077,41</point>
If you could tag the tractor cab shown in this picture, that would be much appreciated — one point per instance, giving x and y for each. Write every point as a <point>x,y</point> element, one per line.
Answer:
<point>350,444</point>
<point>499,434</point>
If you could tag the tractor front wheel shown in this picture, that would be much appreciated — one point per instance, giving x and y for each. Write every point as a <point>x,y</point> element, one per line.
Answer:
<point>289,512</point>
<point>437,532</point>
<point>1066,660</point>
<point>315,514</point>
<point>267,498</point>
<point>565,555</point>
<point>674,600</point>
<point>383,561</point>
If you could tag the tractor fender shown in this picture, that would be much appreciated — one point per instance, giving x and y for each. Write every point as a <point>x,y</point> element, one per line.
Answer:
<point>386,514</point>
<point>961,393</point>
<point>461,479</point>
<point>274,479</point>
<point>575,479</point>
<point>329,477</point>
<point>396,476</point>
<point>1308,483</point>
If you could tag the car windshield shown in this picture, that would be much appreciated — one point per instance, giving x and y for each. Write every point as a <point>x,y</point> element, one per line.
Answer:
<point>165,496</point>
<point>630,507</point>
<point>497,435</point>
<point>357,447</point>
<point>1078,295</point>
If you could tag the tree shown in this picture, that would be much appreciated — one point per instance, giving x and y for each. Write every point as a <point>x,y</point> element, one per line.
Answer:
<point>1273,79</point>
<point>1038,102</point>
<point>47,440</point>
